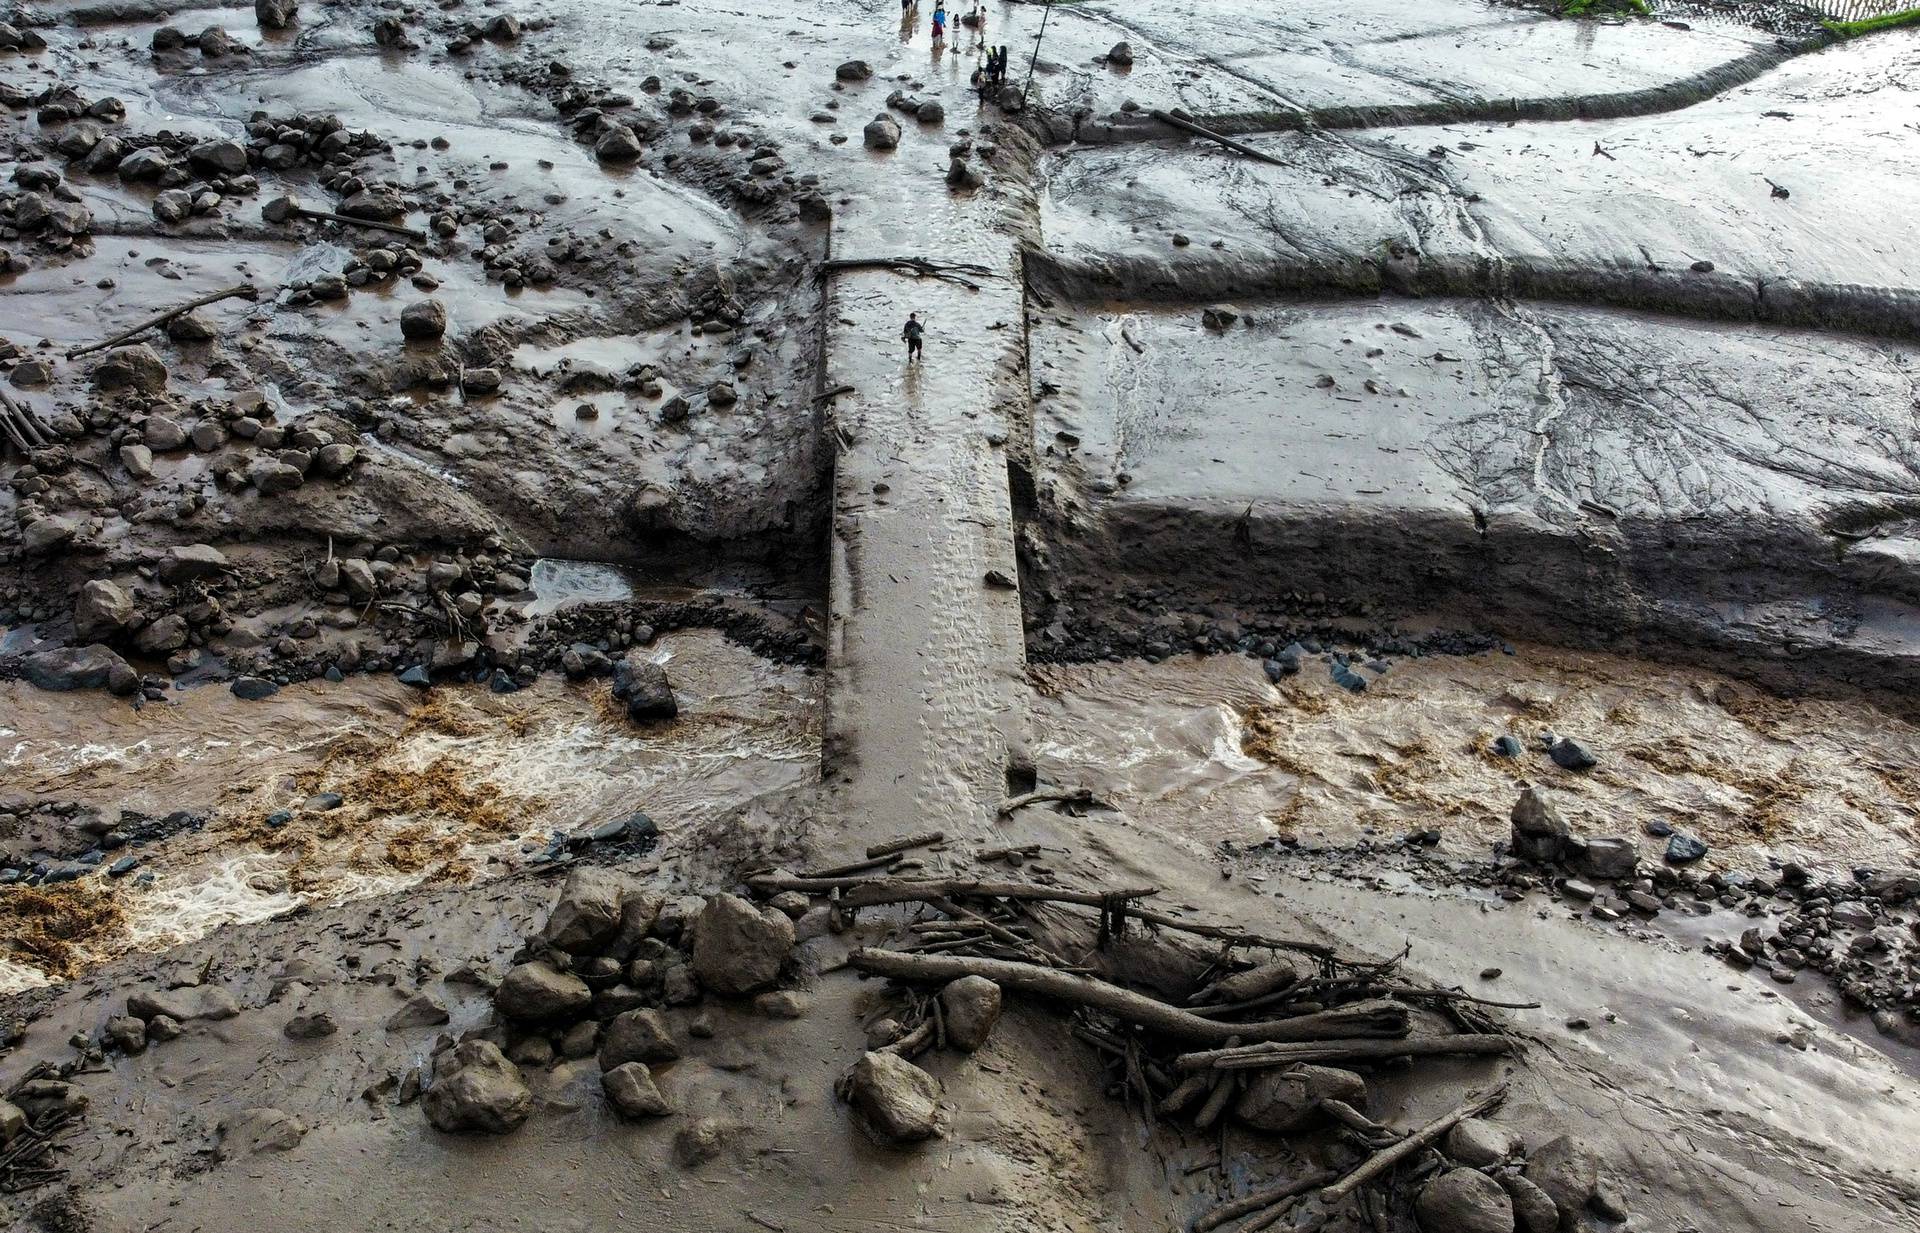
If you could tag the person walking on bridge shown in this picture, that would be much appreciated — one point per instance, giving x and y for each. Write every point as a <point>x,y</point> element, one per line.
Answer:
<point>914,333</point>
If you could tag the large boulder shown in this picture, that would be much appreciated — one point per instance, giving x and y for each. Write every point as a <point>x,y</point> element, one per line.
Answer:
<point>537,992</point>
<point>644,687</point>
<point>587,912</point>
<point>1478,1143</point>
<point>275,14</point>
<point>80,667</point>
<point>632,1092</point>
<point>898,1103</point>
<point>637,1036</point>
<point>1539,834</point>
<point>219,157</point>
<point>476,1089</point>
<point>881,134</point>
<point>191,562</point>
<point>737,947</point>
<point>1284,1101</point>
<point>131,368</point>
<point>1464,1201</point>
<point>103,609</point>
<point>1567,1170</point>
<point>423,320</point>
<point>971,1006</point>
<point>1893,885</point>
<point>1533,1210</point>
<point>1611,857</point>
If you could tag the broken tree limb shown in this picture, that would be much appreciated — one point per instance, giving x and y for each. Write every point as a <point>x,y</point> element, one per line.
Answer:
<point>772,882</point>
<point>1254,1057</point>
<point>280,209</point>
<point>1262,1198</point>
<point>1066,796</point>
<point>1238,147</point>
<point>833,393</point>
<point>1360,1019</point>
<point>245,290</point>
<point>919,267</point>
<point>1386,1158</point>
<point>904,844</point>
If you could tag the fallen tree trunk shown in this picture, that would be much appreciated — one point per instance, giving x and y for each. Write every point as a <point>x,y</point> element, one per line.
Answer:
<point>1376,1019</point>
<point>246,290</point>
<point>1258,1056</point>
<point>1238,147</point>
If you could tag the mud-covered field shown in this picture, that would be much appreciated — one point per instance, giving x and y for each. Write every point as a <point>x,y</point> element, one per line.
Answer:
<point>517,691</point>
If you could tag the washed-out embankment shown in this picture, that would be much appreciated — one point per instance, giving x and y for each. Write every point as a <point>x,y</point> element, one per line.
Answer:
<point>1793,600</point>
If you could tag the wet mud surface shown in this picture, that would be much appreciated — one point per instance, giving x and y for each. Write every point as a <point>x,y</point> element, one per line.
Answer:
<point>1281,517</point>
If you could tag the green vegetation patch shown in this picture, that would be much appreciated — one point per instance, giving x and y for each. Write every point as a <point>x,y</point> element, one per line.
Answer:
<point>1868,25</point>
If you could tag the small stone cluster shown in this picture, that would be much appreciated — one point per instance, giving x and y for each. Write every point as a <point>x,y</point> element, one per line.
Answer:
<point>611,975</point>
<point>1489,1184</point>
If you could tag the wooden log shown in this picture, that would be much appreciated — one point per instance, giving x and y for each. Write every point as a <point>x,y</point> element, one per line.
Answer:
<point>1361,1019</point>
<point>907,843</point>
<point>1253,1057</point>
<point>245,290</point>
<point>1265,1197</point>
<point>328,216</point>
<point>1238,147</point>
<point>1388,1157</point>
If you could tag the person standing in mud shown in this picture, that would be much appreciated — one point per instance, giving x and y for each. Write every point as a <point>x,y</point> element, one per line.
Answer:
<point>914,333</point>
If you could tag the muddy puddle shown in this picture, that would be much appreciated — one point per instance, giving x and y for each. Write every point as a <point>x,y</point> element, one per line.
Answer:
<point>456,784</point>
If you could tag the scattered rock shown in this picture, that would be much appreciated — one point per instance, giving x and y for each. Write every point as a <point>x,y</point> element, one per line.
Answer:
<point>1539,834</point>
<point>587,912</point>
<point>131,368</point>
<point>1569,754</point>
<point>881,134</point>
<point>1478,1143</point>
<point>1567,1171</point>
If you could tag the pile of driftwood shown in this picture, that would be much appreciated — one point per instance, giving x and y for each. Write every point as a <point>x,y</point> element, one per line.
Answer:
<point>35,1111</point>
<point>1260,1006</point>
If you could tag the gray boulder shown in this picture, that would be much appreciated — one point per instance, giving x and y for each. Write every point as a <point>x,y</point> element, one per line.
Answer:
<point>1464,1201</point>
<point>1533,1211</point>
<point>275,14</point>
<point>632,1092</point>
<point>476,1089</point>
<point>881,134</point>
<point>971,1006</point>
<point>78,667</point>
<point>898,1103</point>
<point>422,1010</point>
<point>423,320</point>
<point>1539,834</point>
<point>103,609</point>
<point>1478,1143</point>
<point>587,912</point>
<point>131,368</point>
<point>190,562</point>
<point>637,1036</point>
<point>536,992</point>
<point>1611,857</point>
<point>737,947</point>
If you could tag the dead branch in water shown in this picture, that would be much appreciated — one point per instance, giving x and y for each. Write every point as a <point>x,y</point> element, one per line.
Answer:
<point>1065,796</point>
<point>243,290</point>
<point>1238,147</point>
<point>1260,1199</point>
<point>1256,1056</point>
